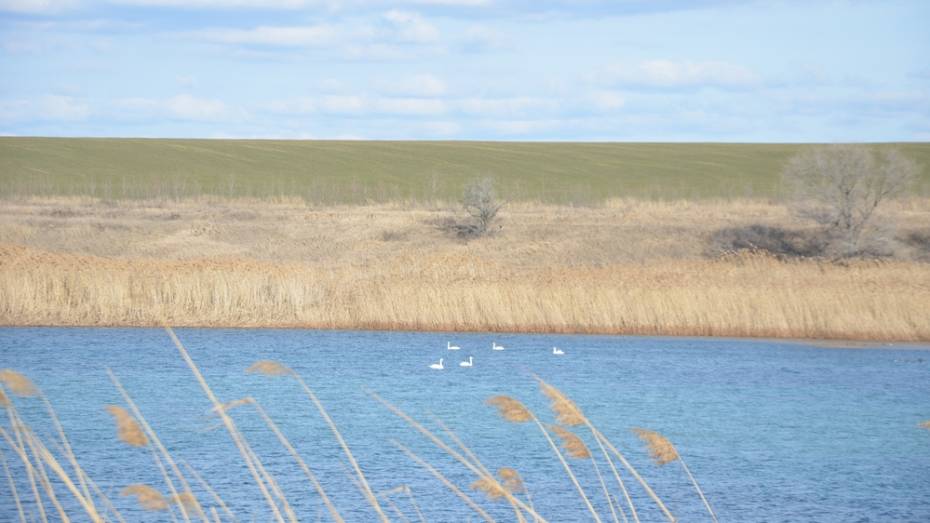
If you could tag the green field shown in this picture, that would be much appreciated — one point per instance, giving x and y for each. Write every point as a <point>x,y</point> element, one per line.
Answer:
<point>358,171</point>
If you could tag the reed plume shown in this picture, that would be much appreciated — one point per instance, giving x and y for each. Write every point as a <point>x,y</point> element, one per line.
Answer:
<point>568,412</point>
<point>269,368</point>
<point>18,384</point>
<point>4,401</point>
<point>577,449</point>
<point>157,448</point>
<point>515,412</point>
<point>510,409</point>
<point>925,425</point>
<point>511,480</point>
<point>663,452</point>
<point>572,443</point>
<point>147,497</point>
<point>445,481</point>
<point>475,469</point>
<point>493,489</point>
<point>127,428</point>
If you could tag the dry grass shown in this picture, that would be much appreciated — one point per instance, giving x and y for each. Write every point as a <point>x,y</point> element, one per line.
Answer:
<point>623,268</point>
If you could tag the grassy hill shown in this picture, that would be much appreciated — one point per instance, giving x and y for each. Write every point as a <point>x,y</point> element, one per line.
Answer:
<point>357,171</point>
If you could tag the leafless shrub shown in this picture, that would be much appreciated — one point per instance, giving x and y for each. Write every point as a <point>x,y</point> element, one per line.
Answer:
<point>841,186</point>
<point>481,204</point>
<point>393,236</point>
<point>776,241</point>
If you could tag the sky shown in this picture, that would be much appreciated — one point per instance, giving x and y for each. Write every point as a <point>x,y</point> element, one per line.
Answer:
<point>527,70</point>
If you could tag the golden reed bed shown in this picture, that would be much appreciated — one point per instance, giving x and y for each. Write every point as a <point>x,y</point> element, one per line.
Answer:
<point>752,296</point>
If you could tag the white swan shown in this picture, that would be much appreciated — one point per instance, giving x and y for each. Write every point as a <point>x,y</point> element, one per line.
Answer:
<point>450,346</point>
<point>495,346</point>
<point>557,351</point>
<point>468,363</point>
<point>437,366</point>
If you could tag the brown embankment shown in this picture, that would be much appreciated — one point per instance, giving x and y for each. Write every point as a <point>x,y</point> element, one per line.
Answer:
<point>628,267</point>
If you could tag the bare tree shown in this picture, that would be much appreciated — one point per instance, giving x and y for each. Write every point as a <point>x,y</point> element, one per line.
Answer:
<point>841,186</point>
<point>480,202</point>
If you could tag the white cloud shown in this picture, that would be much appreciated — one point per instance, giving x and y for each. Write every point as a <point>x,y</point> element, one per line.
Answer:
<point>37,6</point>
<point>410,106</point>
<point>417,85</point>
<point>288,36</point>
<point>506,105</point>
<point>44,108</point>
<point>607,100</point>
<point>180,107</point>
<point>668,73</point>
<point>411,27</point>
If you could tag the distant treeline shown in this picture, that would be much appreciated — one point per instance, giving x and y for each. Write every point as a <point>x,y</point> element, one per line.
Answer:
<point>333,172</point>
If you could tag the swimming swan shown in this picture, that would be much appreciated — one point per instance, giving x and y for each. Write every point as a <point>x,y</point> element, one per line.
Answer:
<point>468,363</point>
<point>450,346</point>
<point>437,366</point>
<point>495,346</point>
<point>557,351</point>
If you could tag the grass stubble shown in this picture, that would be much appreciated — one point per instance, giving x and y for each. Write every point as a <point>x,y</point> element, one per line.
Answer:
<point>133,430</point>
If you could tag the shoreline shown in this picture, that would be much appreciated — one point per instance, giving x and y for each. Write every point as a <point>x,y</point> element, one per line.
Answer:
<point>822,343</point>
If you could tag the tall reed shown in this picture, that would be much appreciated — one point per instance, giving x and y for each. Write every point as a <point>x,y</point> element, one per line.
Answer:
<point>272,368</point>
<point>515,412</point>
<point>663,452</point>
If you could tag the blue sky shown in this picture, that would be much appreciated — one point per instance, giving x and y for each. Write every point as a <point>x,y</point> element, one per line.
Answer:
<point>623,70</point>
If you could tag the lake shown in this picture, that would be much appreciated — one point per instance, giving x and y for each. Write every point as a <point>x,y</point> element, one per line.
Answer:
<point>773,431</point>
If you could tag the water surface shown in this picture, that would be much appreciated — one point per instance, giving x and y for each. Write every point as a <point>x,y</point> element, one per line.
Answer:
<point>773,431</point>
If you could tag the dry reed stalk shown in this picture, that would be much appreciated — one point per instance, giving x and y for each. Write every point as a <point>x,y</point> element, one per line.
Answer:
<point>147,497</point>
<point>396,510</point>
<point>53,464</point>
<point>22,386</point>
<point>317,486</point>
<point>449,450</point>
<point>513,482</point>
<point>577,449</point>
<point>568,412</point>
<point>127,428</point>
<point>272,368</point>
<point>515,412</point>
<point>20,448</point>
<point>158,447</point>
<point>416,506</point>
<point>228,423</point>
<point>663,452</point>
<point>13,491</point>
<point>106,500</point>
<point>33,443</point>
<point>273,483</point>
<point>474,458</point>
<point>281,438</point>
<point>82,477</point>
<point>427,289</point>
<point>190,503</point>
<point>445,481</point>
<point>206,486</point>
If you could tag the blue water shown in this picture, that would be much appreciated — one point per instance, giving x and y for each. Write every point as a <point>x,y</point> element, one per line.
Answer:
<point>773,431</point>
